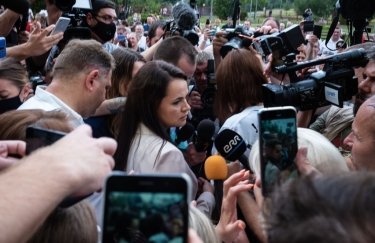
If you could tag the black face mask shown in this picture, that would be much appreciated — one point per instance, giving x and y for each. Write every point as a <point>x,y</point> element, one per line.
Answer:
<point>10,104</point>
<point>105,31</point>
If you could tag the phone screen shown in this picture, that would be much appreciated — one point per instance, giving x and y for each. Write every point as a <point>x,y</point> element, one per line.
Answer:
<point>145,209</point>
<point>61,25</point>
<point>40,137</point>
<point>278,146</point>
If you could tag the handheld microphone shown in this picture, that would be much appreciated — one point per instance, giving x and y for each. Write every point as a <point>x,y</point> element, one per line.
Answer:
<point>184,133</point>
<point>205,132</point>
<point>232,146</point>
<point>184,16</point>
<point>215,168</point>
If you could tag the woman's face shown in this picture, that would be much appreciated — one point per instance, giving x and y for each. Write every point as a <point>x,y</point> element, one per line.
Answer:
<point>8,89</point>
<point>136,66</point>
<point>174,109</point>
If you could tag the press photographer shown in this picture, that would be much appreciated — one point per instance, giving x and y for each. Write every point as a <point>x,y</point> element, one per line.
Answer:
<point>203,90</point>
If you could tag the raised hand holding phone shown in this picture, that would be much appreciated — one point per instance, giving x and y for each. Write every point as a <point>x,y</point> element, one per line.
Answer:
<point>146,208</point>
<point>278,146</point>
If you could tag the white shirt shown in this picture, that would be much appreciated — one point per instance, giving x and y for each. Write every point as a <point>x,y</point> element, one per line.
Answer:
<point>245,124</point>
<point>331,45</point>
<point>47,101</point>
<point>142,43</point>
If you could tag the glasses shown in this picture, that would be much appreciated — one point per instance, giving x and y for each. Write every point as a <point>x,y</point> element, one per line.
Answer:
<point>107,18</point>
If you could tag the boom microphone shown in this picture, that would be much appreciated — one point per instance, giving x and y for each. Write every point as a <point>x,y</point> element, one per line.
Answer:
<point>232,146</point>
<point>334,23</point>
<point>184,16</point>
<point>205,132</point>
<point>215,168</point>
<point>184,133</point>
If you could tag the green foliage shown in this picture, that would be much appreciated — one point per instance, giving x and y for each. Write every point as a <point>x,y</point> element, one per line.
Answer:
<point>222,9</point>
<point>320,8</point>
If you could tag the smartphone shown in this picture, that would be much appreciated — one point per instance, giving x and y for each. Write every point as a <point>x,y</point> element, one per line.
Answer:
<point>3,47</point>
<point>317,31</point>
<point>61,25</point>
<point>39,137</point>
<point>146,208</point>
<point>277,145</point>
<point>121,37</point>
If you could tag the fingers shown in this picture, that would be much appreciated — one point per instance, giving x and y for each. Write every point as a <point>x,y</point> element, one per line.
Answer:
<point>9,147</point>
<point>234,179</point>
<point>108,145</point>
<point>48,29</point>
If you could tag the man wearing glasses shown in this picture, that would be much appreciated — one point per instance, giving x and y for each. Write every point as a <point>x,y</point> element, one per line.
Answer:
<point>101,21</point>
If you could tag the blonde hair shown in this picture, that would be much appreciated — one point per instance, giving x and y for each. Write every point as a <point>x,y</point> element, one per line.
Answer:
<point>202,225</point>
<point>321,153</point>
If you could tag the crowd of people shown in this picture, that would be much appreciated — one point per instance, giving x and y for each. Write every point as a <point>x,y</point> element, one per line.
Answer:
<point>123,93</point>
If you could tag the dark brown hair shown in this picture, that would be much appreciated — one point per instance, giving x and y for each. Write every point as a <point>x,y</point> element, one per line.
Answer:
<point>13,123</point>
<point>239,80</point>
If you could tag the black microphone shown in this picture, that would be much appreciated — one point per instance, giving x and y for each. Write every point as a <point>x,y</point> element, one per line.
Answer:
<point>184,133</point>
<point>205,132</point>
<point>184,16</point>
<point>232,146</point>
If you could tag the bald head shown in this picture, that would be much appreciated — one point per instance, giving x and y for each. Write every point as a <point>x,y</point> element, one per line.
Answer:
<point>362,138</point>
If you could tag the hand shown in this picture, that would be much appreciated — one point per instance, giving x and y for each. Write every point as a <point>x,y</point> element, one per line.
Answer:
<point>9,149</point>
<point>79,161</point>
<point>194,100</point>
<point>192,156</point>
<point>206,34</point>
<point>234,167</point>
<point>23,37</point>
<point>205,185</point>
<point>229,227</point>
<point>40,41</point>
<point>218,42</point>
<point>303,164</point>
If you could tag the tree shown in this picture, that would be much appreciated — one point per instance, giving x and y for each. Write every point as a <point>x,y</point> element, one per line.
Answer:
<point>319,8</point>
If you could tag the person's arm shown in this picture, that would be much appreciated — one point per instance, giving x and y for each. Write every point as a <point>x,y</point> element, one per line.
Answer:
<point>205,34</point>
<point>39,43</point>
<point>7,19</point>
<point>149,53</point>
<point>76,165</point>
<point>229,228</point>
<point>110,106</point>
<point>217,43</point>
<point>252,213</point>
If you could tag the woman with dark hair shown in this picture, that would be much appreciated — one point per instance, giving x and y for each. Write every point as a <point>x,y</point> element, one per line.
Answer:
<point>156,102</point>
<point>239,79</point>
<point>128,63</point>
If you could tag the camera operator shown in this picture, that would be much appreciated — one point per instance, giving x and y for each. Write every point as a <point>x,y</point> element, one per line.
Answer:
<point>101,22</point>
<point>270,25</point>
<point>200,109</point>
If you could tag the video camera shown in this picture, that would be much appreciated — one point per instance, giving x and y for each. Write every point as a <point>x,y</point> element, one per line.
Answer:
<point>183,22</point>
<point>335,84</point>
<point>280,44</point>
<point>235,40</point>
<point>76,10</point>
